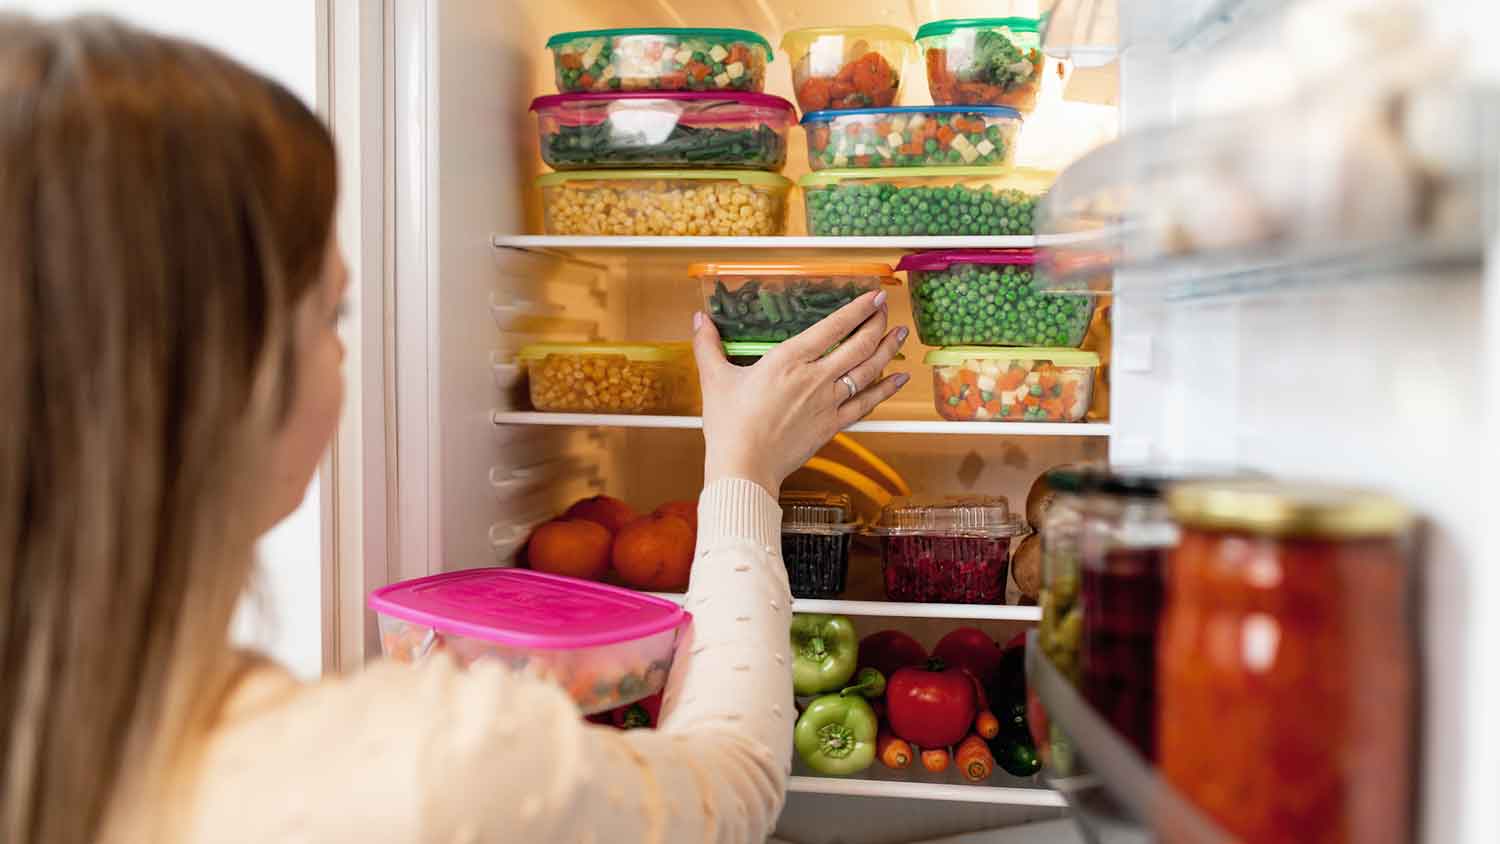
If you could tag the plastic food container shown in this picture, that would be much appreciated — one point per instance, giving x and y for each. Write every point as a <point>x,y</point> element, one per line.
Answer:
<point>665,202</point>
<point>611,378</point>
<point>660,59</point>
<point>953,550</point>
<point>981,383</point>
<point>963,297</point>
<point>815,531</point>
<point>663,129</point>
<point>983,61</point>
<point>606,645</point>
<point>922,201</point>
<point>846,66</point>
<point>771,301</point>
<point>912,136</point>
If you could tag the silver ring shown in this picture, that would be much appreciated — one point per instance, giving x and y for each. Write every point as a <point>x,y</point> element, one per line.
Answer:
<point>849,382</point>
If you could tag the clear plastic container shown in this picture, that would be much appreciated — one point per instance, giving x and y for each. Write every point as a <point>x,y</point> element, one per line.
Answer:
<point>922,201</point>
<point>660,59</point>
<point>913,136</point>
<point>611,377</point>
<point>663,129</point>
<point>983,61</point>
<point>769,301</point>
<point>606,645</point>
<point>846,66</point>
<point>954,550</point>
<point>983,383</point>
<point>816,528</point>
<point>726,203</point>
<point>981,297</point>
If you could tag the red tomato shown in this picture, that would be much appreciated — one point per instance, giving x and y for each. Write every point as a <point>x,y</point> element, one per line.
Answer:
<point>890,650</point>
<point>971,649</point>
<point>931,709</point>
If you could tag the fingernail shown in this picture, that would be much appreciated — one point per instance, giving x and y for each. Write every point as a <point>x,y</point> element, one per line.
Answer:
<point>901,379</point>
<point>901,335</point>
<point>880,299</point>
<point>697,321</point>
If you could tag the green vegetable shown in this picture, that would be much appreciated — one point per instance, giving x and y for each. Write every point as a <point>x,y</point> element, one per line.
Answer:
<point>753,314</point>
<point>869,683</point>
<point>836,735</point>
<point>1000,305</point>
<point>859,208</point>
<point>998,61</point>
<point>604,143</point>
<point>825,651</point>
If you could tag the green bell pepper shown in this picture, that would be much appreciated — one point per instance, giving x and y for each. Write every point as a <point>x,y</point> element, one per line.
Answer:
<point>825,652</point>
<point>836,734</point>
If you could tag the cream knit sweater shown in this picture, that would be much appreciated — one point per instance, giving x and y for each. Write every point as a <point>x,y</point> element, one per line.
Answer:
<point>436,753</point>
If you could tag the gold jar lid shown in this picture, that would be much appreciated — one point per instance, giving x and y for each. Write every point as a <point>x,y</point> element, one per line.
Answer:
<point>1288,509</point>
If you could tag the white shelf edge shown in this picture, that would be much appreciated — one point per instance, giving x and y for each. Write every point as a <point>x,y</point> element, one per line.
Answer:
<point>927,791</point>
<point>898,609</point>
<point>869,426</point>
<point>572,243</point>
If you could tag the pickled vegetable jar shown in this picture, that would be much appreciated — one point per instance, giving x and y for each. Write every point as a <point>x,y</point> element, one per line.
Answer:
<point>989,61</point>
<point>846,66</point>
<point>726,203</point>
<point>1287,680</point>
<point>953,550</point>
<point>965,297</point>
<point>663,129</point>
<point>611,378</point>
<point>922,201</point>
<point>660,59</point>
<point>913,136</point>
<point>1061,632</point>
<point>984,383</point>
<point>770,301</point>
<point>816,528</point>
<point>1126,537</point>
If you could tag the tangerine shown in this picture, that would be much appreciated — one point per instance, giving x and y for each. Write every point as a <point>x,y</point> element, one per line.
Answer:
<point>572,547</point>
<point>655,552</point>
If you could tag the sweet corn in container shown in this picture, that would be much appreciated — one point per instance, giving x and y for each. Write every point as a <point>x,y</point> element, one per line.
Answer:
<point>665,202</point>
<point>611,377</point>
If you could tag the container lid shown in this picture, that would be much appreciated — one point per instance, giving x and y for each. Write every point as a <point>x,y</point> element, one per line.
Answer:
<point>1288,509</point>
<point>831,113</point>
<point>760,348</point>
<point>944,258</point>
<point>980,515</point>
<point>631,351</point>
<point>817,512</point>
<point>947,27</point>
<point>834,175</point>
<point>953,355</point>
<point>794,268</point>
<point>722,33</point>
<point>798,40</point>
<point>744,177</point>
<point>527,609</point>
<point>747,99</point>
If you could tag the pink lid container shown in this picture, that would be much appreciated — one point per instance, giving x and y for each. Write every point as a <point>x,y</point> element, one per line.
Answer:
<point>521,608</point>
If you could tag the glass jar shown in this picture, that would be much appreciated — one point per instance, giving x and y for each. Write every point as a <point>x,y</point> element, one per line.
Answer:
<point>1287,672</point>
<point>1061,631</point>
<point>1127,533</point>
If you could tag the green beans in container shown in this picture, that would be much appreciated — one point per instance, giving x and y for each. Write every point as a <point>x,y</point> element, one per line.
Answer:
<point>771,301</point>
<point>948,201</point>
<point>990,297</point>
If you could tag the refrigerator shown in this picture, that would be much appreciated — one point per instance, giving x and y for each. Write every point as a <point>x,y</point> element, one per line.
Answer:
<point>1283,297</point>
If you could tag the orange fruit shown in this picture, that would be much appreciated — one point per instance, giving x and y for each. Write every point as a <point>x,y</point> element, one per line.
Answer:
<point>685,510</point>
<point>612,513</point>
<point>655,552</point>
<point>571,547</point>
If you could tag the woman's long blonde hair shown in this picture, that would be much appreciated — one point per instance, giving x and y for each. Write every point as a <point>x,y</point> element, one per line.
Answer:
<point>162,211</point>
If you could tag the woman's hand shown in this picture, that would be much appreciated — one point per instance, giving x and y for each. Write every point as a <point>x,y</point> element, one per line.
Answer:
<point>762,422</point>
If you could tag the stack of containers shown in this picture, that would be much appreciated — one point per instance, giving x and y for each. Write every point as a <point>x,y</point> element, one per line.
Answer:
<point>884,170</point>
<point>663,131</point>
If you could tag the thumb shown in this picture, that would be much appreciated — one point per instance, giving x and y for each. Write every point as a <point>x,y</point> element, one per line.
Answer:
<point>706,348</point>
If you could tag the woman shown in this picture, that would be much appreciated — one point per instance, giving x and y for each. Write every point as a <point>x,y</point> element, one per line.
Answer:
<point>169,291</point>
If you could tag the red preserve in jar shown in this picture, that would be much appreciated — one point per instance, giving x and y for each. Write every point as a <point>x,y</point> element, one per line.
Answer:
<point>954,550</point>
<point>1286,663</point>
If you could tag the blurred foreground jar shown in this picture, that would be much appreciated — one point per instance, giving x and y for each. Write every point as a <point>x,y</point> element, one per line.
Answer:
<point>1286,663</point>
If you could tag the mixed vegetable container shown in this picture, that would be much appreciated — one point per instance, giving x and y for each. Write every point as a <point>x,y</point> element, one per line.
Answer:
<point>983,61</point>
<point>771,301</point>
<point>1000,384</point>
<point>660,59</point>
<point>912,136</point>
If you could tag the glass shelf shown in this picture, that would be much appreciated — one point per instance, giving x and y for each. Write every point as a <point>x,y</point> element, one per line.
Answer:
<point>1115,794</point>
<point>1091,33</point>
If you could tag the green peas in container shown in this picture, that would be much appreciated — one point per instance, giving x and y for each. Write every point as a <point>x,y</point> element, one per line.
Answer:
<point>952,201</point>
<point>991,297</point>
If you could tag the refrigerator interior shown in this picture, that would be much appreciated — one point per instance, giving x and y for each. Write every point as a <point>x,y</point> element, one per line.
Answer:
<point>1375,377</point>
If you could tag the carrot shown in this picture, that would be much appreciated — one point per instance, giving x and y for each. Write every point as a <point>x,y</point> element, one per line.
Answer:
<point>974,759</point>
<point>936,761</point>
<point>893,752</point>
<point>944,135</point>
<point>986,724</point>
<point>883,128</point>
<point>1011,379</point>
<point>586,80</point>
